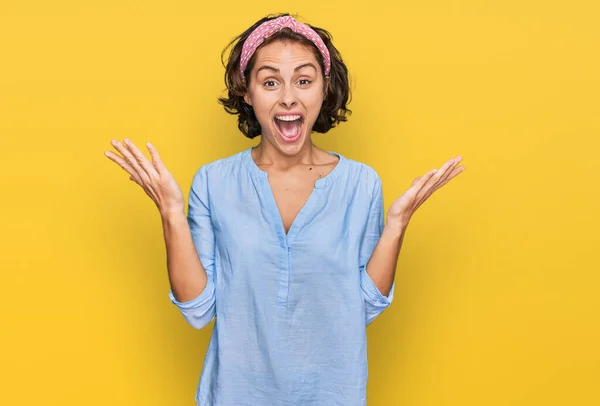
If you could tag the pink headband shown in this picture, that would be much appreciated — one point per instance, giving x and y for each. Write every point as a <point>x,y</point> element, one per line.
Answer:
<point>270,27</point>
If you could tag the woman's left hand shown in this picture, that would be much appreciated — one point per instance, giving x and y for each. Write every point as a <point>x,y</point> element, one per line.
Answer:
<point>401,211</point>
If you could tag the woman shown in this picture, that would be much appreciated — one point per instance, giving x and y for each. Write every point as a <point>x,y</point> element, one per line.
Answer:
<point>284,244</point>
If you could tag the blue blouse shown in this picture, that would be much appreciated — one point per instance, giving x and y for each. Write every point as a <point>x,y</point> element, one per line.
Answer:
<point>290,310</point>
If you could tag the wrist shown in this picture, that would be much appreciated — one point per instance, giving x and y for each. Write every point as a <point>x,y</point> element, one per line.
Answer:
<point>395,226</point>
<point>172,213</point>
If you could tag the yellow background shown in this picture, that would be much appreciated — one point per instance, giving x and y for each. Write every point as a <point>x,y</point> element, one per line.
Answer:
<point>497,287</point>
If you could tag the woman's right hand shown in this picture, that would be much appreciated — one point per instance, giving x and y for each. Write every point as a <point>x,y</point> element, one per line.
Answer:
<point>153,177</point>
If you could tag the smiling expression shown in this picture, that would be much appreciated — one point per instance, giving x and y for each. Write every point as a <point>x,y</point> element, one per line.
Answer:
<point>286,92</point>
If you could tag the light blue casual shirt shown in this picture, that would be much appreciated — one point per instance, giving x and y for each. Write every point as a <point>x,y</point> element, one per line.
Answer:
<point>290,310</point>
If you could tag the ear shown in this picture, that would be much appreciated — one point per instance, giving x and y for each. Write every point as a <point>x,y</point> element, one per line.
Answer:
<point>247,98</point>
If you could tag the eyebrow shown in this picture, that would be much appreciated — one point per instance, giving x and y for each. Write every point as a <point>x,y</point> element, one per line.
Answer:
<point>297,68</point>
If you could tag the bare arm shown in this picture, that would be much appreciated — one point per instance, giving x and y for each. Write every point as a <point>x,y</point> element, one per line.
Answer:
<point>382,264</point>
<point>187,276</point>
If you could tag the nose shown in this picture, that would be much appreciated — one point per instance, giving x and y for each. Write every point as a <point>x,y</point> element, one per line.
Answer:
<point>288,97</point>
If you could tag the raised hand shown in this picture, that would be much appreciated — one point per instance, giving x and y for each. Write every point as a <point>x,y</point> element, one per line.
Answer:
<point>153,177</point>
<point>401,211</point>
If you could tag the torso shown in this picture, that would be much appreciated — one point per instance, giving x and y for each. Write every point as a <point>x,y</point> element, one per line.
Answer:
<point>292,187</point>
<point>273,293</point>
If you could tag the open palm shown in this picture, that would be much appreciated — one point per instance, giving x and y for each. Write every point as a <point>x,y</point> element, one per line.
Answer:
<point>152,176</point>
<point>401,211</point>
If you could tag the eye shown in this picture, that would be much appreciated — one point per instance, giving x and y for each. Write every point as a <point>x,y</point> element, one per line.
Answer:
<point>305,82</point>
<point>269,83</point>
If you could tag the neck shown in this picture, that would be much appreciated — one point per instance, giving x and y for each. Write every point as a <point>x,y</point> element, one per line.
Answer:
<point>266,153</point>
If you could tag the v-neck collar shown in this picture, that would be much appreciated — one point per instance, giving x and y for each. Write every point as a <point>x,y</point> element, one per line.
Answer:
<point>300,220</point>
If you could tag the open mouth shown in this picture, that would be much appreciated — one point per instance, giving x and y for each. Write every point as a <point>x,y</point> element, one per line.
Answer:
<point>289,126</point>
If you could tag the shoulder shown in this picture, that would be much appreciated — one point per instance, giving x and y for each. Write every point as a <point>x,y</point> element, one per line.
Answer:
<point>220,168</point>
<point>217,178</point>
<point>362,175</point>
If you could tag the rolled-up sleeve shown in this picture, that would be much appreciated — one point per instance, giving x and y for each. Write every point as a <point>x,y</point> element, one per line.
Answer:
<point>375,301</point>
<point>200,311</point>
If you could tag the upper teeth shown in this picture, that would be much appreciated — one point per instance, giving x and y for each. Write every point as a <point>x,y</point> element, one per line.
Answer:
<point>288,118</point>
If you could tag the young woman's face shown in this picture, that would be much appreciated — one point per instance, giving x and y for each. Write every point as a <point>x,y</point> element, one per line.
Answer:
<point>286,93</point>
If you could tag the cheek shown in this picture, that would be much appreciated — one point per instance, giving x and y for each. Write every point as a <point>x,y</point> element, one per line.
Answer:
<point>314,101</point>
<point>262,108</point>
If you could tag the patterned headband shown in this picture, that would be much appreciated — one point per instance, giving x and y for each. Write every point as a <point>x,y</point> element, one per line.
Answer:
<point>270,27</point>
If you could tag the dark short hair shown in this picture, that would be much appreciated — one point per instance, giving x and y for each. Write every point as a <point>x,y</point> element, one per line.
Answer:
<point>334,108</point>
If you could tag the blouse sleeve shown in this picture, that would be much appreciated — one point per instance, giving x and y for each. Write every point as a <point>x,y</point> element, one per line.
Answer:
<point>375,301</point>
<point>200,311</point>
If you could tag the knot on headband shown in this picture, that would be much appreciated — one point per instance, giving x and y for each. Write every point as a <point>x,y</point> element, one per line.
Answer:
<point>269,28</point>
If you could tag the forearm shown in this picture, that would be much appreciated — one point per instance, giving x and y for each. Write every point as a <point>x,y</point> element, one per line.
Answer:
<point>382,264</point>
<point>187,276</point>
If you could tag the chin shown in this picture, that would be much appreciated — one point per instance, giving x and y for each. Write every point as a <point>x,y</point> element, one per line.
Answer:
<point>290,148</point>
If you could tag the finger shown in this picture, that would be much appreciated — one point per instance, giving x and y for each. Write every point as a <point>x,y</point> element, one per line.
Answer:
<point>452,175</point>
<point>419,183</point>
<point>146,189</point>
<point>156,161</point>
<point>449,170</point>
<point>416,180</point>
<point>445,169</point>
<point>140,158</point>
<point>131,160</point>
<point>435,179</point>
<point>123,164</point>
<point>134,180</point>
